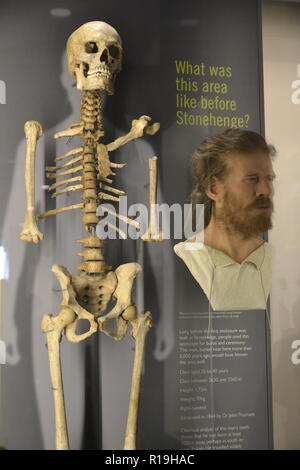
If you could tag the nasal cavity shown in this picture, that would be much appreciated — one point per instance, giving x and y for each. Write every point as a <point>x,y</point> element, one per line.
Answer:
<point>104,56</point>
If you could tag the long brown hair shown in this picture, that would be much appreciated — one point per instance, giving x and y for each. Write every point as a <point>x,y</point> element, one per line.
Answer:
<point>209,160</point>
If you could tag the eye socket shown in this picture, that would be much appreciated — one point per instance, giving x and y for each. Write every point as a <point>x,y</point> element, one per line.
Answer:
<point>91,47</point>
<point>114,51</point>
<point>252,179</point>
<point>255,179</point>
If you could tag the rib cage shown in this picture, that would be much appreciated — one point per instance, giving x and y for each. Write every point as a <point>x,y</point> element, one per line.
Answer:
<point>92,170</point>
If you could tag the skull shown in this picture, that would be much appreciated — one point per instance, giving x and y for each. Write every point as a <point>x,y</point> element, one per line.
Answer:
<point>94,54</point>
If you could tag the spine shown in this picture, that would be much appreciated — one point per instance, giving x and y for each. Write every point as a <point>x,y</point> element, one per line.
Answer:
<point>91,117</point>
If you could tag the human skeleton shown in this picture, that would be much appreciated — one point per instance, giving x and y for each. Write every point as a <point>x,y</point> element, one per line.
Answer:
<point>94,54</point>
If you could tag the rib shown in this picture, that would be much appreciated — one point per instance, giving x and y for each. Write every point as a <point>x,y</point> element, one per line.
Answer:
<point>107,180</point>
<point>61,183</point>
<point>68,154</point>
<point>69,132</point>
<point>58,211</point>
<point>123,217</point>
<point>67,189</point>
<point>64,173</point>
<point>65,165</point>
<point>112,190</point>
<point>74,124</point>
<point>108,196</point>
<point>117,165</point>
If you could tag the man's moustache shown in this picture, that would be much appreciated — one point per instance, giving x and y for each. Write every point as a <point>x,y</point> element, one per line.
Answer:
<point>262,203</point>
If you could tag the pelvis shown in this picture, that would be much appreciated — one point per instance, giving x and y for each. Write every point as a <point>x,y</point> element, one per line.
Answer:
<point>85,298</point>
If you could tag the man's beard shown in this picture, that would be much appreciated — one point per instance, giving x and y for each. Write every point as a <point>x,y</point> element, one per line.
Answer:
<point>247,220</point>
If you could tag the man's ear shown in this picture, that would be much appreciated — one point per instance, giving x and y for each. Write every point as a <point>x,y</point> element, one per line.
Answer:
<point>215,190</point>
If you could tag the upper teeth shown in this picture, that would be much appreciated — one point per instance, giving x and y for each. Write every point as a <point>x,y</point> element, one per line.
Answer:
<point>102,70</point>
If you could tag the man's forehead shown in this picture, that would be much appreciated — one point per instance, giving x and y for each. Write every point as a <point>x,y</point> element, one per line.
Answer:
<point>244,163</point>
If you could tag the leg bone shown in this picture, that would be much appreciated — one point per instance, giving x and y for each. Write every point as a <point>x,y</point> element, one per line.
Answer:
<point>140,329</point>
<point>52,327</point>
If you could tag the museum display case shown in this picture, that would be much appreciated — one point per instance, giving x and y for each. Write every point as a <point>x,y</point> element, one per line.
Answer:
<point>115,105</point>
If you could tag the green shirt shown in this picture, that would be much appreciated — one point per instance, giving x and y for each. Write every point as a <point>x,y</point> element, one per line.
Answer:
<point>229,285</point>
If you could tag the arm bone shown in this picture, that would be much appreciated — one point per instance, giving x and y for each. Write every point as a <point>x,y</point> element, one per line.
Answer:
<point>30,232</point>
<point>139,127</point>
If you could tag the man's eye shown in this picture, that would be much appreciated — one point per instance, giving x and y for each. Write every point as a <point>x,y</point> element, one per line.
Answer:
<point>271,178</point>
<point>253,179</point>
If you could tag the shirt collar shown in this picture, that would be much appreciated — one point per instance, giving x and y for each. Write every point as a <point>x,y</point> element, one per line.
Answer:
<point>219,258</point>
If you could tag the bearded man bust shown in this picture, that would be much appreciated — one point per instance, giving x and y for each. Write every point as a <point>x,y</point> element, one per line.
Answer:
<point>234,177</point>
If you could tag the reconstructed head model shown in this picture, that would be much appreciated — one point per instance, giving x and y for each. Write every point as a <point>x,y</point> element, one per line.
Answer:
<point>94,53</point>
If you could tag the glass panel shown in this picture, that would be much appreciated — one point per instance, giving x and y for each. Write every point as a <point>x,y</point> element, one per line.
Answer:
<point>281,26</point>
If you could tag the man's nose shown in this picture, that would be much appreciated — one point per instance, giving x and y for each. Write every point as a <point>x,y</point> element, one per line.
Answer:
<point>264,188</point>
